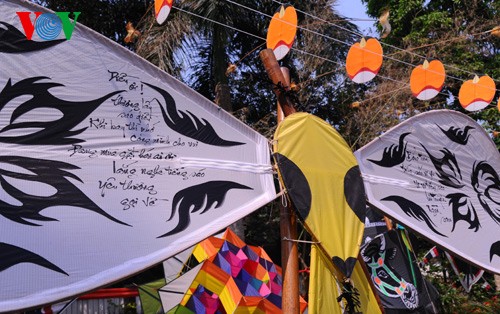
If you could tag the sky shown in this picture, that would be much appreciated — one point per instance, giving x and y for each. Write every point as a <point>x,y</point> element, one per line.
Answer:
<point>355,9</point>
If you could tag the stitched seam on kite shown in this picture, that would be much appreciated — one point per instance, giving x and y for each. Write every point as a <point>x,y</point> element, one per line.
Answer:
<point>225,165</point>
<point>384,180</point>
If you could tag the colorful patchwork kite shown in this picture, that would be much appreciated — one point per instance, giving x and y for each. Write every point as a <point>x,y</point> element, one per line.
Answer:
<point>233,277</point>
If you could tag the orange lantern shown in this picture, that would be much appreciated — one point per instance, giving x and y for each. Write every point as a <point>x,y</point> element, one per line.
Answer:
<point>364,60</point>
<point>476,94</point>
<point>281,32</point>
<point>427,80</point>
<point>162,10</point>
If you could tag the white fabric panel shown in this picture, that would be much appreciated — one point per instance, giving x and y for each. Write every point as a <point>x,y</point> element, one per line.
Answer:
<point>173,292</point>
<point>172,267</point>
<point>96,167</point>
<point>438,174</point>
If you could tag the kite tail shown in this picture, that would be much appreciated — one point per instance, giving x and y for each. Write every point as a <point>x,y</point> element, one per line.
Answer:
<point>351,296</point>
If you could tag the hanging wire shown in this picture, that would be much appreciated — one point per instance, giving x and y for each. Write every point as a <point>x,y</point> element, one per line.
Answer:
<point>261,38</point>
<point>375,116</point>
<point>409,50</point>
<point>296,49</point>
<point>219,23</point>
<point>386,44</point>
<point>359,34</point>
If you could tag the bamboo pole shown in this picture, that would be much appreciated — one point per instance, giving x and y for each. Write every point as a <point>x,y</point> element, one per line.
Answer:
<point>288,221</point>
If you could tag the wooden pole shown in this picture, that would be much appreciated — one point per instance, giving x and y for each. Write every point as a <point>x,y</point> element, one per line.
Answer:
<point>274,72</point>
<point>289,249</point>
<point>288,221</point>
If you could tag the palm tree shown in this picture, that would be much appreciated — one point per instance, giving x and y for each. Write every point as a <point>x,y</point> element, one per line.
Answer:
<point>194,44</point>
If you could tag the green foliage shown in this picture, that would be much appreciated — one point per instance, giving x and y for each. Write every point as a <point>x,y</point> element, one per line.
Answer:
<point>455,32</point>
<point>491,123</point>
<point>453,296</point>
<point>428,24</point>
<point>455,300</point>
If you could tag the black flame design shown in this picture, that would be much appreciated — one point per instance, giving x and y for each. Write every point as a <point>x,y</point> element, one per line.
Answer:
<point>199,197</point>
<point>394,154</point>
<point>13,40</point>
<point>459,200</point>
<point>56,132</point>
<point>11,255</point>
<point>447,168</point>
<point>188,124</point>
<point>413,210</point>
<point>49,172</point>
<point>457,135</point>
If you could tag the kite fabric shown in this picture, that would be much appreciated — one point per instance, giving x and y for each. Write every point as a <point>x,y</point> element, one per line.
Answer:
<point>150,297</point>
<point>467,274</point>
<point>477,94</point>
<point>108,165</point>
<point>232,277</point>
<point>427,80</point>
<point>282,30</point>
<point>324,289</point>
<point>397,252</point>
<point>173,292</point>
<point>173,266</point>
<point>322,179</point>
<point>395,274</point>
<point>375,224</point>
<point>437,174</point>
<point>364,60</point>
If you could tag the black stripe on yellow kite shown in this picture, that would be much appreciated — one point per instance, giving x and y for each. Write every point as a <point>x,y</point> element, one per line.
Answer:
<point>322,178</point>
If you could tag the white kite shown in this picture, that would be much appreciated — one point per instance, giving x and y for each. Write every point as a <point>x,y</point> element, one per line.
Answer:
<point>438,174</point>
<point>108,165</point>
